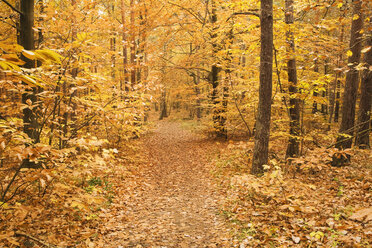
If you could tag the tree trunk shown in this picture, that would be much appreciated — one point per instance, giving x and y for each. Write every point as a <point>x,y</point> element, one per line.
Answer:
<point>337,101</point>
<point>132,45</point>
<point>218,124</point>
<point>315,93</point>
<point>113,46</point>
<point>364,118</point>
<point>163,105</point>
<point>293,148</point>
<point>261,145</point>
<point>125,50</point>
<point>26,39</point>
<point>346,132</point>
<point>338,75</point>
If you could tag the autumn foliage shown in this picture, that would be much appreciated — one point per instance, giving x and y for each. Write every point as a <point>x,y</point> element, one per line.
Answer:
<point>280,89</point>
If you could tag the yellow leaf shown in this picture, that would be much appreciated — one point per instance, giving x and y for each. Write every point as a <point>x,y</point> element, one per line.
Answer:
<point>356,17</point>
<point>13,58</point>
<point>4,205</point>
<point>48,55</point>
<point>29,80</point>
<point>340,5</point>
<point>28,54</point>
<point>349,53</point>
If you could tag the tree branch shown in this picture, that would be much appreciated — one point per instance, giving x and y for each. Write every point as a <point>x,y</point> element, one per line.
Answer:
<point>244,13</point>
<point>12,7</point>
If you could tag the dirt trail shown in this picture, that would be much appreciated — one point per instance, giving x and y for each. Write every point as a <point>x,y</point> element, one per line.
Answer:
<point>176,203</point>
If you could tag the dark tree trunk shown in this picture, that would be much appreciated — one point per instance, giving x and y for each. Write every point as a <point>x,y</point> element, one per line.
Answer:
<point>337,101</point>
<point>364,117</point>
<point>261,145</point>
<point>197,92</point>
<point>125,81</point>
<point>293,148</point>
<point>218,123</point>
<point>26,39</point>
<point>163,105</point>
<point>346,132</point>
<point>325,92</point>
<point>315,93</point>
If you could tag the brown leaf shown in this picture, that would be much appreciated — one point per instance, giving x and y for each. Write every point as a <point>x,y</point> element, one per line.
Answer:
<point>363,215</point>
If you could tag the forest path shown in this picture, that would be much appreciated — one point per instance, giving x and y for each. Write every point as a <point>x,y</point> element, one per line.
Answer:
<point>175,203</point>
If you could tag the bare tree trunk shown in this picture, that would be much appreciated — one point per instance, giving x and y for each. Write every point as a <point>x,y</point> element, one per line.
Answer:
<point>337,101</point>
<point>163,105</point>
<point>26,39</point>
<point>315,93</point>
<point>346,131</point>
<point>364,117</point>
<point>113,46</point>
<point>125,50</point>
<point>132,45</point>
<point>293,148</point>
<point>215,70</point>
<point>261,145</point>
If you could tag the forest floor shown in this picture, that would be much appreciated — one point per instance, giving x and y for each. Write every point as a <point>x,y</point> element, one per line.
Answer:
<point>174,187</point>
<point>175,202</point>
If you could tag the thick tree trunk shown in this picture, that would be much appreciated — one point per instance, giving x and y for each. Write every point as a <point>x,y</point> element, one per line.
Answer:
<point>346,131</point>
<point>364,118</point>
<point>261,145</point>
<point>26,39</point>
<point>293,148</point>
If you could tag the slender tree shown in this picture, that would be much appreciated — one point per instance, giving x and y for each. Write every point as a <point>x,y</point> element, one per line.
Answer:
<point>346,131</point>
<point>218,121</point>
<point>26,39</point>
<point>125,50</point>
<point>261,145</point>
<point>293,148</point>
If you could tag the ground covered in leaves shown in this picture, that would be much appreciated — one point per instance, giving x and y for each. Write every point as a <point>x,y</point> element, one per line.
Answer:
<point>305,204</point>
<point>175,188</point>
<point>174,202</point>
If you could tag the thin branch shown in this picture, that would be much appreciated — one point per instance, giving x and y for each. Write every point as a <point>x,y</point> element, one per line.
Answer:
<point>240,112</point>
<point>12,7</point>
<point>190,12</point>
<point>244,13</point>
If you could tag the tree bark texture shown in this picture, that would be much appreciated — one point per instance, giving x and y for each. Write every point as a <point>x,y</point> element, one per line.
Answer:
<point>293,148</point>
<point>364,117</point>
<point>344,139</point>
<point>26,39</point>
<point>261,145</point>
<point>218,119</point>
